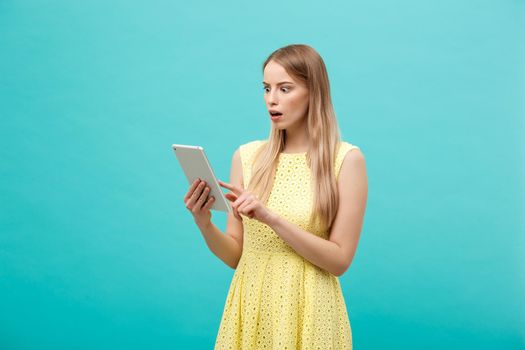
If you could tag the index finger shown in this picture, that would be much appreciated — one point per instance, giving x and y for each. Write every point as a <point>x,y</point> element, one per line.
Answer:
<point>231,187</point>
<point>192,188</point>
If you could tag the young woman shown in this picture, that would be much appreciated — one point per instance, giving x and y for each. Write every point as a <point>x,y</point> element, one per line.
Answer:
<point>298,203</point>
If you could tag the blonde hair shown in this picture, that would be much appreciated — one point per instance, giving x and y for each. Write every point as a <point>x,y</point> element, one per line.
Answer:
<point>304,64</point>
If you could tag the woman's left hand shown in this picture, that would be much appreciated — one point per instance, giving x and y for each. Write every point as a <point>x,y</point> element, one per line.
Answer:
<point>246,203</point>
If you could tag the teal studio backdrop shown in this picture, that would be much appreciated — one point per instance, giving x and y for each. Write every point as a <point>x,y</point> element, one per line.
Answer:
<point>97,250</point>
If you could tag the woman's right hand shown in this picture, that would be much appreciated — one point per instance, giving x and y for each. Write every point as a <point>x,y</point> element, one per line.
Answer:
<point>198,203</point>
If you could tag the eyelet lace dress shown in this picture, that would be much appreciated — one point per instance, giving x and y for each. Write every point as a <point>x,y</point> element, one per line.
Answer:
<point>277,299</point>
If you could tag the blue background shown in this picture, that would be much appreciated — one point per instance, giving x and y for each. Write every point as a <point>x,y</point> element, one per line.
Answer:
<point>97,250</point>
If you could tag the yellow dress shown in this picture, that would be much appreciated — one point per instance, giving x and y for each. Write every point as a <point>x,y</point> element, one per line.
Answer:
<point>277,299</point>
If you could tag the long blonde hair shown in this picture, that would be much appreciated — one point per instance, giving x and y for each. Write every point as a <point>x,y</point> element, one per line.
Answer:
<point>303,63</point>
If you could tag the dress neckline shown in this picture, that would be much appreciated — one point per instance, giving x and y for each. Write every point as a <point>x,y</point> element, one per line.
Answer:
<point>292,154</point>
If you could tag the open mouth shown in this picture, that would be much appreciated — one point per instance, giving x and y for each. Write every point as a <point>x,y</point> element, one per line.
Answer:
<point>275,114</point>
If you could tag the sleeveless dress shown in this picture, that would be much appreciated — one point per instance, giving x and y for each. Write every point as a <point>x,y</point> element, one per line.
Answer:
<point>277,299</point>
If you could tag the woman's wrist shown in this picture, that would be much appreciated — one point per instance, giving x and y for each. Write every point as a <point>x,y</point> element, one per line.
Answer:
<point>271,219</point>
<point>203,225</point>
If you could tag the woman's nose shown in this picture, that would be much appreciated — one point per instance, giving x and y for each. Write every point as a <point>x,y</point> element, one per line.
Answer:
<point>272,97</point>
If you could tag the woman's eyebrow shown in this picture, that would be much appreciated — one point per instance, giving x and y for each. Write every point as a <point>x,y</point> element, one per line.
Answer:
<point>282,82</point>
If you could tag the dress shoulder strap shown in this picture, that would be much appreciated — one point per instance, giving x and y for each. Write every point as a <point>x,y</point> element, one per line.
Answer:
<point>344,148</point>
<point>247,153</point>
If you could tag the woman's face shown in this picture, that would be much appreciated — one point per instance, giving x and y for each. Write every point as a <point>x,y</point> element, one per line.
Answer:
<point>284,95</point>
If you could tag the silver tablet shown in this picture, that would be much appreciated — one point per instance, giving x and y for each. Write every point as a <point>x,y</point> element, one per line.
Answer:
<point>195,165</point>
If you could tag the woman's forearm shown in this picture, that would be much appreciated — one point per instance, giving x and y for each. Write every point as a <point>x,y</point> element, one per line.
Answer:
<point>319,251</point>
<point>223,246</point>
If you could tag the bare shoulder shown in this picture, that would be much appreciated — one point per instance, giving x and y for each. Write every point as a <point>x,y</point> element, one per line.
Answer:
<point>236,169</point>
<point>251,145</point>
<point>354,157</point>
<point>353,167</point>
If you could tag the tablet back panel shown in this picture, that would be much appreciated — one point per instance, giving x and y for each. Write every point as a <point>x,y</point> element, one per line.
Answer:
<point>195,164</point>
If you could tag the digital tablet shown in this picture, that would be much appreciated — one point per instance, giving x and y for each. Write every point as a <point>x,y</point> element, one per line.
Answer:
<point>195,165</point>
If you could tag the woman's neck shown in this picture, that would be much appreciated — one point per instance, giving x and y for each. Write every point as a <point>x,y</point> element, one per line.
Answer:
<point>296,141</point>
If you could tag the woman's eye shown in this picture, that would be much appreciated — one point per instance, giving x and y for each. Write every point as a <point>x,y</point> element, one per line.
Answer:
<point>284,89</point>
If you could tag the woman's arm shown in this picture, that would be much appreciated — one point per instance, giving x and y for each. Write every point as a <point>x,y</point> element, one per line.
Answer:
<point>227,247</point>
<point>224,246</point>
<point>335,254</point>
